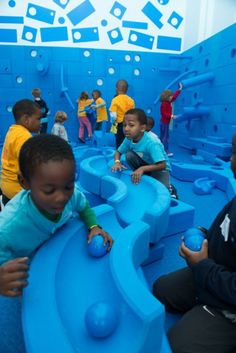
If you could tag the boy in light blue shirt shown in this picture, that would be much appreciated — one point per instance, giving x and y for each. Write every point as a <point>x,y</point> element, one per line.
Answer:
<point>144,154</point>
<point>49,199</point>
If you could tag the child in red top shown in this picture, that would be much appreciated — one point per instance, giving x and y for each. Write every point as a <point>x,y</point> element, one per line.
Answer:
<point>167,98</point>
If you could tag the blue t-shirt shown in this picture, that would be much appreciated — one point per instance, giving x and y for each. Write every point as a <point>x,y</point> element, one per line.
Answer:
<point>149,149</point>
<point>23,228</point>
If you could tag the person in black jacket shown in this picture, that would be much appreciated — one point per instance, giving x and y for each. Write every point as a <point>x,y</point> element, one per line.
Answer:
<point>36,93</point>
<point>205,291</point>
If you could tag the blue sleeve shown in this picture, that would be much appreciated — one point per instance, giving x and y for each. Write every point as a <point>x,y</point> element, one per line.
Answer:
<point>124,147</point>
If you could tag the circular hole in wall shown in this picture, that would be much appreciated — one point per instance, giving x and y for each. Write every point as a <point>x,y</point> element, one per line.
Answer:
<point>9,108</point>
<point>33,53</point>
<point>215,128</point>
<point>186,69</point>
<point>183,100</point>
<point>195,95</point>
<point>117,12</point>
<point>77,35</point>
<point>114,34</point>
<point>111,70</point>
<point>19,79</point>
<point>226,109</point>
<point>233,53</point>
<point>149,111</point>
<point>87,53</point>
<point>200,49</point>
<point>6,69</point>
<point>206,62</point>
<point>127,58</point>
<point>32,11</point>
<point>136,72</point>
<point>137,58</point>
<point>99,82</point>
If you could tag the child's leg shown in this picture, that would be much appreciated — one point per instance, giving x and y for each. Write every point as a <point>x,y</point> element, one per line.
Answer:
<point>88,126</point>
<point>81,128</point>
<point>163,176</point>
<point>176,290</point>
<point>203,329</point>
<point>164,135</point>
<point>134,161</point>
<point>119,135</point>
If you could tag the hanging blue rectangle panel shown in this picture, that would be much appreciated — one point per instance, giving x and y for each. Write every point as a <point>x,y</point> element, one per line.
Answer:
<point>153,14</point>
<point>62,4</point>
<point>39,13</point>
<point>141,39</point>
<point>8,35</point>
<point>134,24</point>
<point>85,34</point>
<point>54,34</point>
<point>80,12</point>
<point>169,43</point>
<point>11,19</point>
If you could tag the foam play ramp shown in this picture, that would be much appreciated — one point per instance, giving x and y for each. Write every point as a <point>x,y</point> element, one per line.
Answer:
<point>76,302</point>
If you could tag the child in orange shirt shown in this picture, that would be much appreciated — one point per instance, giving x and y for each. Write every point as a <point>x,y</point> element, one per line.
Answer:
<point>27,116</point>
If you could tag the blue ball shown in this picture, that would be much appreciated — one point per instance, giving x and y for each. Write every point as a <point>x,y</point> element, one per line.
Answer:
<point>193,232</point>
<point>101,319</point>
<point>96,247</point>
<point>194,242</point>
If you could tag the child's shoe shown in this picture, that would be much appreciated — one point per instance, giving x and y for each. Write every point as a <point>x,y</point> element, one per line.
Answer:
<point>81,140</point>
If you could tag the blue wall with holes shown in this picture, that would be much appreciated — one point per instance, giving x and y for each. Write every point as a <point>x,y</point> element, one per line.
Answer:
<point>62,73</point>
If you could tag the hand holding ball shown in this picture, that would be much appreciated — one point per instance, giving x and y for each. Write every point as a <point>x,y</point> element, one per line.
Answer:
<point>96,246</point>
<point>193,239</point>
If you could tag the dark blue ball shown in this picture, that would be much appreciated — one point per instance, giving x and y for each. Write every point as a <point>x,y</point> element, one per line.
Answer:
<point>96,247</point>
<point>194,242</point>
<point>101,319</point>
<point>193,232</point>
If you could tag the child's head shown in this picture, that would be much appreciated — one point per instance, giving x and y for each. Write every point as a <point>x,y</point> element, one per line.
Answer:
<point>36,92</point>
<point>60,117</point>
<point>166,95</point>
<point>233,157</point>
<point>96,94</point>
<point>28,114</point>
<point>150,123</point>
<point>134,124</point>
<point>47,168</point>
<point>121,87</point>
<point>84,95</point>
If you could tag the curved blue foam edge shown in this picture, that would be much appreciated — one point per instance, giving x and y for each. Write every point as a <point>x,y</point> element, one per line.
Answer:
<point>148,201</point>
<point>203,186</point>
<point>83,152</point>
<point>127,255</point>
<point>64,281</point>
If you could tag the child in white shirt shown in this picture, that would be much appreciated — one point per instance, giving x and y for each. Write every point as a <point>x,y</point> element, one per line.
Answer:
<point>58,127</point>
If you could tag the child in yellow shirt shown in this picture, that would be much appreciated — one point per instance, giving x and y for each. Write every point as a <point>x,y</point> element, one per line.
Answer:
<point>83,103</point>
<point>120,104</point>
<point>27,115</point>
<point>100,106</point>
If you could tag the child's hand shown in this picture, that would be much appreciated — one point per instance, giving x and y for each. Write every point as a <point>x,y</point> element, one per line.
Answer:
<point>117,167</point>
<point>180,86</point>
<point>97,230</point>
<point>13,276</point>
<point>193,257</point>
<point>136,175</point>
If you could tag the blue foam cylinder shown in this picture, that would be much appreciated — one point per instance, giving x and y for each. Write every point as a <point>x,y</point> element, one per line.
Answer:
<point>101,319</point>
<point>197,80</point>
<point>96,247</point>
<point>196,111</point>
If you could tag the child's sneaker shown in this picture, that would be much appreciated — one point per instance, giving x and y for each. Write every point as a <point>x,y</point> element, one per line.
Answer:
<point>173,192</point>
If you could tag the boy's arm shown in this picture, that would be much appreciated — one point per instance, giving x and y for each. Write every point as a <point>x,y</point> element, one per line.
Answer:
<point>13,277</point>
<point>137,174</point>
<point>88,216</point>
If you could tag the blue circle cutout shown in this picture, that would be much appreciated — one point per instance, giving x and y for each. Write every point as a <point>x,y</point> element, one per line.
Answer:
<point>163,2</point>
<point>104,23</point>
<point>61,20</point>
<point>12,3</point>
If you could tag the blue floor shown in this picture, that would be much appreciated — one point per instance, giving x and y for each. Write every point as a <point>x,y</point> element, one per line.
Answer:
<point>207,206</point>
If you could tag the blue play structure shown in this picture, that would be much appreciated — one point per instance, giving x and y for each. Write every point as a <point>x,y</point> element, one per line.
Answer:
<point>77,302</point>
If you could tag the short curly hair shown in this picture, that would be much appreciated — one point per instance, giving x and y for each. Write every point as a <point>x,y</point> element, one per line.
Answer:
<point>42,149</point>
<point>165,95</point>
